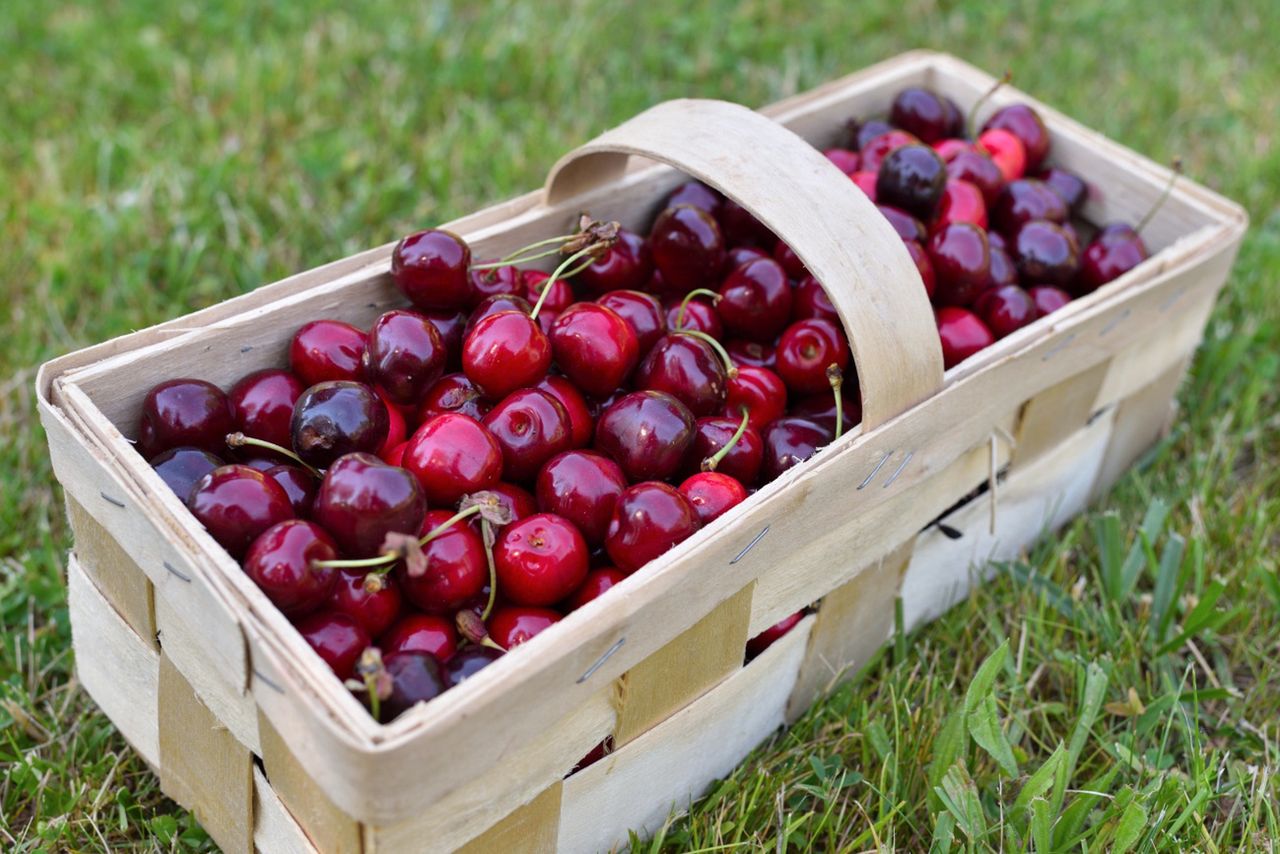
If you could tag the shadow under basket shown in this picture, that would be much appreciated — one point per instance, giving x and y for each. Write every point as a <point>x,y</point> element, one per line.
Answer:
<point>244,724</point>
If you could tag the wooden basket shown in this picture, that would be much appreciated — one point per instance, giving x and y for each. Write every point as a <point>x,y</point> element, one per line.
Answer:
<point>245,725</point>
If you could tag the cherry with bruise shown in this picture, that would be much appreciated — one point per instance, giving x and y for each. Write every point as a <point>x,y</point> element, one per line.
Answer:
<point>1025,123</point>
<point>423,633</point>
<point>181,468</point>
<point>810,299</point>
<point>1045,254</point>
<point>336,638</point>
<point>923,266</point>
<point>1025,200</point>
<point>262,405</point>
<point>1006,309</point>
<point>184,413</point>
<point>962,333</point>
<point>1048,299</point>
<point>773,634</point>
<point>362,499</point>
<point>456,567</point>
<point>752,354</point>
<point>648,519</point>
<point>921,112</point>
<point>912,177</point>
<point>742,459</point>
<point>582,425</point>
<point>712,494</point>
<point>879,148</point>
<point>236,504</point>
<point>594,347</point>
<point>907,226</point>
<point>298,484</point>
<point>371,599</point>
<point>696,194</point>
<point>530,427</point>
<point>511,625</point>
<point>647,433</point>
<point>504,352</point>
<point>961,259</point>
<point>453,393</point>
<point>430,268</point>
<point>493,282</point>
<point>788,442</point>
<point>688,369</point>
<point>755,301</point>
<point>761,391</point>
<point>687,247</point>
<point>335,418</point>
<point>697,314</point>
<point>642,312</point>
<point>453,455</point>
<point>581,486</point>
<point>326,350</point>
<point>467,663</point>
<point>626,265</point>
<point>282,561</point>
<point>540,559</point>
<point>595,585</point>
<point>1115,250</point>
<point>403,355</point>
<point>806,350</point>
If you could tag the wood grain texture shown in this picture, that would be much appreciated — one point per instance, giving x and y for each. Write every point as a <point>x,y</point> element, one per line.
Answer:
<point>1140,421</point>
<point>326,825</point>
<point>115,575</point>
<point>274,829</point>
<point>1054,414</point>
<point>533,828</point>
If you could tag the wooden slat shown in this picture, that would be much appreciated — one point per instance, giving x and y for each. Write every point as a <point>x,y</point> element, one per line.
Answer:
<point>1140,363</point>
<point>274,829</point>
<point>1056,413</point>
<point>115,575</point>
<point>325,824</point>
<point>1140,421</point>
<point>531,829</point>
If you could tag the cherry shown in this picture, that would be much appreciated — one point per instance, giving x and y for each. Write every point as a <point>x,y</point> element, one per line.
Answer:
<point>336,638</point>
<point>397,428</point>
<point>422,633</point>
<point>282,562</point>
<point>697,314</point>
<point>863,132</point>
<point>1003,271</point>
<point>504,352</point>
<point>453,393</point>
<point>362,499</point>
<point>467,663</point>
<point>531,427</point>
<point>395,455</point>
<point>961,260</point>
<point>262,464</point>
<point>907,226</point>
<point>912,177</point>
<point>1045,254</point>
<point>181,468</point>
<point>456,567</point>
<point>810,299</point>
<point>697,194</point>
<point>517,500</point>
<point>494,304</point>
<point>450,325</point>
<point>540,560</point>
<point>262,405</point>
<point>371,599</point>
<point>497,281</point>
<point>403,355</point>
<point>921,112</point>
<point>741,461</point>
<point>866,182</point>
<point>1069,185</point>
<point>955,117</point>
<point>648,519</point>
<point>923,265</point>
<point>805,351</point>
<point>789,442</point>
<point>773,634</point>
<point>1025,123</point>
<point>326,350</point>
<point>512,625</point>
<point>184,413</point>
<point>581,486</point>
<point>977,168</point>
<point>453,455</point>
<point>996,240</point>
<point>415,678</point>
<point>594,586</point>
<point>535,282</point>
<point>595,347</point>
<point>688,369</point>
<point>876,150</point>
<point>687,247</point>
<point>962,202</point>
<point>761,391</point>
<point>298,484</point>
<point>787,257</point>
<point>740,228</point>
<point>820,409</point>
<point>1024,200</point>
<point>1115,250</point>
<point>1072,235</point>
<point>751,354</point>
<point>626,265</point>
<point>647,433</point>
<point>236,504</point>
<point>642,311</point>
<point>845,160</point>
<point>951,146</point>
<point>581,424</point>
<point>755,300</point>
<point>430,268</point>
<point>712,494</point>
<point>1048,299</point>
<point>962,334</point>
<point>1005,309</point>
<point>335,418</point>
<point>1007,152</point>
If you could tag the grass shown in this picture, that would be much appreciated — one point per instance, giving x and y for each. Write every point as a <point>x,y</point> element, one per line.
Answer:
<point>1118,688</point>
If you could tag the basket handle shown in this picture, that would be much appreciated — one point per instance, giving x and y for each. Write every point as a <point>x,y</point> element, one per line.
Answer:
<point>794,190</point>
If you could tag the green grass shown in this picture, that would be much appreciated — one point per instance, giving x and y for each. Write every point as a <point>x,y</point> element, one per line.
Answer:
<point>157,157</point>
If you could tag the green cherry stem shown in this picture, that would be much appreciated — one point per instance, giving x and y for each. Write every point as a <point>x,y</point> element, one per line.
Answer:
<point>729,367</point>
<point>710,463</point>
<point>971,123</point>
<point>684,303</point>
<point>386,559</point>
<point>836,378</point>
<point>448,523</point>
<point>523,254</point>
<point>239,440</point>
<point>487,538</point>
<point>558,274</point>
<point>1176,166</point>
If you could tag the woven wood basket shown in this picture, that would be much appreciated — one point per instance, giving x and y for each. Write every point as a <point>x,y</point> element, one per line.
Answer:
<point>243,723</point>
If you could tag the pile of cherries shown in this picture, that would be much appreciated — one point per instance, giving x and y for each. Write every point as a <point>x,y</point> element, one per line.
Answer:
<point>420,496</point>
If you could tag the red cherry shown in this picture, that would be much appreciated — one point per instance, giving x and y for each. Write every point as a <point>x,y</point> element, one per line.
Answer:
<point>493,305</point>
<point>1007,152</point>
<point>595,585</point>
<point>540,560</point>
<point>596,349</point>
<point>1070,186</point>
<point>810,299</point>
<point>236,504</point>
<point>862,133</point>
<point>805,351</point>
<point>1024,123</point>
<point>394,456</point>
<point>1025,200</point>
<point>751,354</point>
<point>786,256</point>
<point>907,226</point>
<point>531,427</point>
<point>415,678</point>
<point>427,633</point>
<point>648,519</point>
<point>581,486</point>
<point>452,456</point>
<point>1048,299</point>
<point>773,634</point>
<point>962,202</point>
<point>450,325</point>
<point>866,182</point>
<point>626,265</point>
<point>504,352</point>
<point>335,418</point>
<point>457,569</point>
<point>642,311</point>
<point>912,177</point>
<point>697,194</point>
<point>336,638</point>
<point>845,160</point>
<point>534,282</point>
<point>755,300</point>
<point>962,334</point>
<point>467,663</point>
<point>920,111</point>
<point>1045,253</point>
<point>740,228</point>
<point>742,462</point>
<point>511,625</point>
<point>181,468</point>
<point>961,259</point>
<point>281,561</point>
<point>688,369</point>
<point>761,391</point>
<point>184,413</point>
<point>518,501</point>
<point>403,355</point>
<point>453,393</point>
<point>494,282</point>
<point>397,429</point>
<point>1003,271</point>
<point>326,350</point>
<point>820,409</point>
<point>430,269</point>
<point>647,433</point>
<point>1005,309</point>
<point>262,405</point>
<point>977,168</point>
<point>581,424</point>
<point>789,442</point>
<point>712,494</point>
<point>687,247</point>
<point>923,265</point>
<point>362,499</point>
<point>1115,250</point>
<point>949,148</point>
<point>298,484</point>
<point>875,151</point>
<point>371,599</point>
<point>698,315</point>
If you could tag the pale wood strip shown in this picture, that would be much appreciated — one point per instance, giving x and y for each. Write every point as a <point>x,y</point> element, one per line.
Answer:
<point>1140,421</point>
<point>323,822</point>
<point>531,829</point>
<point>1056,413</point>
<point>1143,361</point>
<point>275,831</point>
<point>115,575</point>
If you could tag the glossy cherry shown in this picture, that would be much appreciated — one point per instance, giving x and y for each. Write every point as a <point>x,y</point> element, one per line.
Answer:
<point>581,486</point>
<point>907,226</point>
<point>712,494</point>
<point>647,433</point>
<point>335,418</point>
<point>753,354</point>
<point>626,265</point>
<point>1003,270</point>
<point>648,519</point>
<point>453,455</point>
<point>326,350</point>
<point>597,582</point>
<point>1048,299</point>
<point>761,391</point>
<point>282,562</point>
<point>493,282</point>
<point>594,347</point>
<point>963,333</point>
<point>1045,254</point>
<point>921,112</point>
<point>337,639</point>
<point>181,468</point>
<point>371,599</point>
<point>518,501</point>
<point>415,678</point>
<point>1069,185</point>
<point>962,202</point>
<point>184,413</point>
<point>404,355</point>
<point>467,663</point>
<point>362,499</point>
<point>1025,123</point>
<point>540,559</point>
<point>428,633</point>
<point>511,625</point>
<point>862,132</point>
<point>789,442</point>
<point>582,425</point>
<point>742,462</point>
<point>531,427</point>
<point>688,369</point>
<point>299,484</point>
<point>740,228</point>
<point>236,504</point>
<point>494,304</point>
<point>534,283</point>
<point>821,409</point>
<point>977,168</point>
<point>1005,309</point>
<point>397,426</point>
<point>773,634</point>
<point>504,352</point>
<point>1025,200</point>
<point>806,350</point>
<point>787,257</point>
<point>755,301</point>
<point>697,194</point>
<point>961,259</point>
<point>453,393</point>
<point>450,325</point>
<point>1006,151</point>
<point>687,247</point>
<point>1115,250</point>
<point>912,177</point>
<point>877,149</point>
<point>457,569</point>
<point>430,268</point>
<point>697,314</point>
<point>924,267</point>
<point>642,311</point>
<point>262,405</point>
<point>810,299</point>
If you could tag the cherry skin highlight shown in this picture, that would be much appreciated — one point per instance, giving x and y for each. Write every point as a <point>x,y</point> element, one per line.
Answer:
<point>504,352</point>
<point>648,519</point>
<point>423,633</point>
<point>582,426</point>
<point>647,433</point>
<point>597,582</point>
<point>415,678</point>
<point>451,456</point>
<point>712,494</point>
<point>540,560</point>
<point>742,462</point>
<point>755,301</point>
<point>298,484</point>
<point>512,625</point>
<point>582,486</point>
<point>962,334</point>
<point>326,350</point>
<point>761,391</point>
<point>457,569</point>
<point>688,369</point>
<point>362,499</point>
<point>404,355</point>
<point>336,638</point>
<point>594,347</point>
<point>236,504</point>
<point>687,247</point>
<point>805,351</point>
<point>281,561</point>
<point>262,405</point>
<point>430,268</point>
<point>1006,309</point>
<point>626,265</point>
<point>789,442</point>
<point>642,311</point>
<point>530,427</point>
<point>453,393</point>
<point>372,600</point>
<point>181,468</point>
<point>335,418</point>
<point>184,413</point>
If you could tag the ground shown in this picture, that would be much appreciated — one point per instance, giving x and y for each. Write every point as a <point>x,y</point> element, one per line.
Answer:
<point>159,156</point>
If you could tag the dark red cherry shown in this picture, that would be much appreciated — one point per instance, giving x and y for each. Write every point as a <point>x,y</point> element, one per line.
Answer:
<point>493,305</point>
<point>755,301</point>
<point>688,369</point>
<point>907,226</point>
<point>262,405</point>
<point>403,355</point>
<point>298,484</point>
<point>912,177</point>
<point>845,160</point>
<point>1025,200</point>
<point>371,599</point>
<point>806,350</point>
<point>467,663</point>
<point>1005,309</point>
<point>642,311</point>
<point>450,325</point>
<point>1069,185</point>
<point>335,418</point>
<point>531,427</point>
<point>336,638</point>
<point>236,504</point>
<point>996,240</point>
<point>1025,123</point>
<point>494,282</point>
<point>773,634</point>
<point>697,194</point>
<point>504,352</point>
<point>879,148</point>
<point>961,260</point>
<point>751,354</point>
<point>978,169</point>
<point>790,261</point>
<point>961,202</point>
<point>581,486</point>
<point>861,133</point>
<point>597,582</point>
<point>647,433</point>
<point>282,562</point>
<point>457,569</point>
<point>743,460</point>
<point>512,625</point>
<point>430,268</point>
<point>648,519</point>
<point>1115,250</point>
<point>1048,299</point>
<point>594,347</point>
<point>181,468</point>
<point>712,494</point>
<point>326,350</point>
<point>1003,271</point>
<point>518,501</point>
<point>540,560</point>
<point>453,455</point>
<point>963,333</point>
<point>415,678</point>
<point>184,413</point>
<point>739,255</point>
<point>453,393</point>
<point>395,455</point>
<point>362,499</point>
<point>697,314</point>
<point>955,116</point>
<point>821,409</point>
<point>626,265</point>
<point>923,265</point>
<point>740,228</point>
<point>921,112</point>
<point>397,427</point>
<point>582,425</point>
<point>687,247</point>
<point>789,442</point>
<point>1045,254</point>
<point>423,633</point>
<point>761,391</point>
<point>535,281</point>
<point>810,299</point>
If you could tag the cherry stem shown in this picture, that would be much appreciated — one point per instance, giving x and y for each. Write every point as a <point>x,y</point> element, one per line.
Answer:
<point>729,367</point>
<point>710,463</point>
<point>836,378</point>
<point>1176,166</point>
<point>558,273</point>
<point>492,644</point>
<point>684,303</point>
<point>487,537</point>
<point>371,688</point>
<point>386,559</point>
<point>522,256</point>
<point>239,440</point>
<point>972,122</point>
<point>448,523</point>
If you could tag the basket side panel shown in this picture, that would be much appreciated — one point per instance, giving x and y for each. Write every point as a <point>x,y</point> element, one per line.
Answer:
<point>1140,421</point>
<point>327,826</point>
<point>1053,415</point>
<point>115,576</point>
<point>531,829</point>
<point>1152,356</point>
<point>274,830</point>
